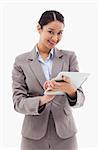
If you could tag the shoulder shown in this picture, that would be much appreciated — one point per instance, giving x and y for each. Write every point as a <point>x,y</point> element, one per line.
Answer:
<point>22,57</point>
<point>67,53</point>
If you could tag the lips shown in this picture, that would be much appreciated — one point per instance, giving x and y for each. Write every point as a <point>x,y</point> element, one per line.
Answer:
<point>52,43</point>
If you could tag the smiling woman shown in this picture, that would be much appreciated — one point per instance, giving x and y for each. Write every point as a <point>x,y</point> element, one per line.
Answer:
<point>50,35</point>
<point>50,28</point>
<point>48,122</point>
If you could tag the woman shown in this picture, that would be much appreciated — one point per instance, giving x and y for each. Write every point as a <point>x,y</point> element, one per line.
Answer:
<point>48,122</point>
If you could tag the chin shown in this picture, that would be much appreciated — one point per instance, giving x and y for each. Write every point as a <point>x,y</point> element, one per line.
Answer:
<point>51,46</point>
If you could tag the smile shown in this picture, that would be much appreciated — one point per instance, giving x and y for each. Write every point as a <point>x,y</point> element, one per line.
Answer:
<point>52,43</point>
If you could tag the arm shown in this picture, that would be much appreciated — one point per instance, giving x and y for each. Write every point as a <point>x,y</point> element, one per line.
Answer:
<point>78,99</point>
<point>23,102</point>
<point>75,96</point>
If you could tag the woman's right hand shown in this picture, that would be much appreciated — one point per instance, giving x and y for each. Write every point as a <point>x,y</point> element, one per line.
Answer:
<point>45,99</point>
<point>49,83</point>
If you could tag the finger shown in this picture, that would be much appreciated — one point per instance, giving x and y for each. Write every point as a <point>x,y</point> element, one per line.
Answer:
<point>45,85</point>
<point>66,79</point>
<point>49,89</point>
<point>52,84</point>
<point>57,84</point>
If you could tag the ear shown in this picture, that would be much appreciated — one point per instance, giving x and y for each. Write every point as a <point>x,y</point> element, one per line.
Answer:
<point>39,28</point>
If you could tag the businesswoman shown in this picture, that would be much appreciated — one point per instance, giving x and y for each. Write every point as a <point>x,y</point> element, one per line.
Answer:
<point>48,122</point>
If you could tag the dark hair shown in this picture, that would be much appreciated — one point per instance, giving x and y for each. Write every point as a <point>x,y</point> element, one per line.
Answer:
<point>49,16</point>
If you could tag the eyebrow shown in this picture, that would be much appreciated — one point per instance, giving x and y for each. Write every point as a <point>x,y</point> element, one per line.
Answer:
<point>53,29</point>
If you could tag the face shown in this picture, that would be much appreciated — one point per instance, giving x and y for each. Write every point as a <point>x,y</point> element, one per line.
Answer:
<point>51,34</point>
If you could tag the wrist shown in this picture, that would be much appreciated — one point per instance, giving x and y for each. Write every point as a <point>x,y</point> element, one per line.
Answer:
<point>72,93</point>
<point>42,101</point>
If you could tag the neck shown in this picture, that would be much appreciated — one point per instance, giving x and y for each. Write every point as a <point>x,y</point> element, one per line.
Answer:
<point>42,49</point>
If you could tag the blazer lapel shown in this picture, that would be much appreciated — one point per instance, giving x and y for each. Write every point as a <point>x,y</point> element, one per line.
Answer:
<point>57,63</point>
<point>36,67</point>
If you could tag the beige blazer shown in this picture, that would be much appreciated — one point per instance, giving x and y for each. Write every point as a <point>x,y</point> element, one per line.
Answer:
<point>28,79</point>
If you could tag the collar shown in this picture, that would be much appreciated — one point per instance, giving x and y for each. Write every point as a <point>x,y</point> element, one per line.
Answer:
<point>51,53</point>
<point>33,54</point>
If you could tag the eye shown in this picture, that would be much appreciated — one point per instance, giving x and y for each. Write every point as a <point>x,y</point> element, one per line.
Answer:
<point>51,32</point>
<point>60,33</point>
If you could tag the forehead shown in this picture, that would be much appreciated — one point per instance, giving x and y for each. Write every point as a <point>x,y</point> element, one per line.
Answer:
<point>55,25</point>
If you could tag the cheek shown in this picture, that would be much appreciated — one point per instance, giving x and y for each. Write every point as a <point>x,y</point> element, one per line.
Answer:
<point>60,38</point>
<point>45,37</point>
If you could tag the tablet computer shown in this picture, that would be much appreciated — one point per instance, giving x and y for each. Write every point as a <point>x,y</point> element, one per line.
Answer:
<point>77,79</point>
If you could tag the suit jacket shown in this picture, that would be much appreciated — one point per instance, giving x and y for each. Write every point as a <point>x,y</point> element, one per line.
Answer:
<point>28,79</point>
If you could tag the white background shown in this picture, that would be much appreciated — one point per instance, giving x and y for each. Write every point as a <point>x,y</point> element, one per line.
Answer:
<point>18,35</point>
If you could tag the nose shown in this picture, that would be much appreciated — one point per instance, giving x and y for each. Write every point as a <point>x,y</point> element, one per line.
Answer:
<point>55,38</point>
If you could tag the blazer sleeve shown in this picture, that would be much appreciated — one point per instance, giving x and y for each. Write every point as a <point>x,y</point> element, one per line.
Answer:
<point>23,102</point>
<point>80,97</point>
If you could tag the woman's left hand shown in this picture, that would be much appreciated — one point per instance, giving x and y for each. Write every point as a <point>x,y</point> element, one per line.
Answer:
<point>65,86</point>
